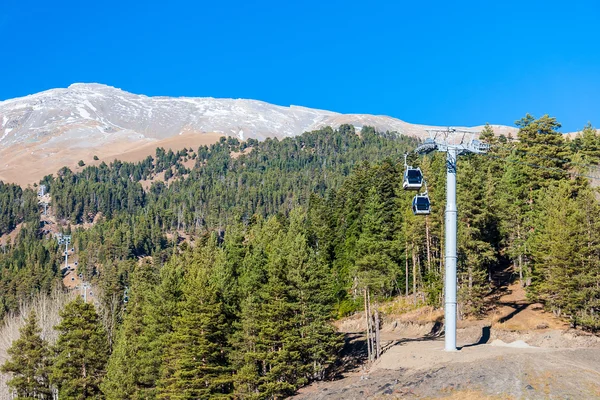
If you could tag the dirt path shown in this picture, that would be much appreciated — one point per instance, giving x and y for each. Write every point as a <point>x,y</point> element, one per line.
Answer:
<point>417,368</point>
<point>517,352</point>
<point>487,372</point>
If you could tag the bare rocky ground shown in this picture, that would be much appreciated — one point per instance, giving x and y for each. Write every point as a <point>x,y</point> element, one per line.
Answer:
<point>519,352</point>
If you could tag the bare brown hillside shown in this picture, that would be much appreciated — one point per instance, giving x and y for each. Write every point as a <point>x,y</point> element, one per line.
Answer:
<point>27,164</point>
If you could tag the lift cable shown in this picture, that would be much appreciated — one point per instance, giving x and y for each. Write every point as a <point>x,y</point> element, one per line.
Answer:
<point>542,167</point>
<point>591,166</point>
<point>562,160</point>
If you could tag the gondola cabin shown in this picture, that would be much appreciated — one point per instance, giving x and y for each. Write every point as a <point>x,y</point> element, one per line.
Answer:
<point>421,205</point>
<point>413,179</point>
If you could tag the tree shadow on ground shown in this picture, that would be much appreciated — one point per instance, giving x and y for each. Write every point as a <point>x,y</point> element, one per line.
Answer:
<point>353,355</point>
<point>518,307</point>
<point>484,339</point>
<point>436,333</point>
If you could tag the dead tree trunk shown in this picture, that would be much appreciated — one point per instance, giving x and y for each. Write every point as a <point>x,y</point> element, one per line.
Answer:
<point>377,334</point>
<point>414,268</point>
<point>406,265</point>
<point>368,326</point>
<point>521,281</point>
<point>371,327</point>
<point>428,239</point>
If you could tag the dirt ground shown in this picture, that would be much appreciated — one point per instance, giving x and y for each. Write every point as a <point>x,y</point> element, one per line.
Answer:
<point>422,370</point>
<point>517,352</point>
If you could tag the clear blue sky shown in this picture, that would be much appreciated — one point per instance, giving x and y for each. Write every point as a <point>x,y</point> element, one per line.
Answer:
<point>435,62</point>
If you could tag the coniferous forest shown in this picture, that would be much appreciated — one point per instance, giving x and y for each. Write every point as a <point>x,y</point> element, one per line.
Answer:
<point>223,279</point>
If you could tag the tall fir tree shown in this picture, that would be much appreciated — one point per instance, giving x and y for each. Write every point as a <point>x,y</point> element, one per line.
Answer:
<point>159,313</point>
<point>313,289</point>
<point>81,352</point>
<point>267,348</point>
<point>29,363</point>
<point>124,371</point>
<point>566,251</point>
<point>195,362</point>
<point>487,135</point>
<point>475,251</point>
<point>541,144</point>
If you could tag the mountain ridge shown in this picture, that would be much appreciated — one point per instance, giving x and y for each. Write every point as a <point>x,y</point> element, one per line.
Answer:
<point>44,131</point>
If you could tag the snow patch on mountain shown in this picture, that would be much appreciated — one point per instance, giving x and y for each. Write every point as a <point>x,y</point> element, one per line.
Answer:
<point>84,113</point>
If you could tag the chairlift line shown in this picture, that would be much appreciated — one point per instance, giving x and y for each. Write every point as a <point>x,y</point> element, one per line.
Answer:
<point>542,167</point>
<point>597,167</point>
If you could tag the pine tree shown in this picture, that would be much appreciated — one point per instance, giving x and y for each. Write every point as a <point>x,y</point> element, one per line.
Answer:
<point>158,315</point>
<point>81,352</point>
<point>124,371</point>
<point>312,288</point>
<point>195,361</point>
<point>566,253</point>
<point>587,143</point>
<point>541,144</point>
<point>375,269</point>
<point>29,363</point>
<point>475,251</point>
<point>267,348</point>
<point>487,135</point>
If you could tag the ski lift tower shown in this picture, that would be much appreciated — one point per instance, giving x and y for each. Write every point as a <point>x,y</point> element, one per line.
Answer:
<point>45,204</point>
<point>453,142</point>
<point>66,240</point>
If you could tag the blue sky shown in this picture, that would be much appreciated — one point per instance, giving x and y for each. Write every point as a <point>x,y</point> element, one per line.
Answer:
<point>434,62</point>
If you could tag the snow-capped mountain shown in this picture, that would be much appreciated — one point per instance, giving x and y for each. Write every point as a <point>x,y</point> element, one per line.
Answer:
<point>84,114</point>
<point>86,119</point>
<point>90,111</point>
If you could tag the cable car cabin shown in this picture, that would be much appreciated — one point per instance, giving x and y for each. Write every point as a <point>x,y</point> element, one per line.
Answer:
<point>421,205</point>
<point>413,179</point>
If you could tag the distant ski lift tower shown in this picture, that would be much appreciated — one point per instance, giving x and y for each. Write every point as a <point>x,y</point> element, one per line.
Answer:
<point>41,190</point>
<point>66,240</point>
<point>453,142</point>
<point>84,289</point>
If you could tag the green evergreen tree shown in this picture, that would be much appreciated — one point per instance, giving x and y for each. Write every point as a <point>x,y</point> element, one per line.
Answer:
<point>375,268</point>
<point>312,288</point>
<point>267,350</point>
<point>565,252</point>
<point>487,135</point>
<point>195,362</point>
<point>158,316</point>
<point>587,143</point>
<point>475,250</point>
<point>124,371</point>
<point>81,352</point>
<point>29,363</point>
<point>541,144</point>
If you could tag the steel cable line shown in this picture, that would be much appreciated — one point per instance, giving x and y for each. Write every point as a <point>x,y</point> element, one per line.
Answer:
<point>542,167</point>
<point>563,160</point>
<point>515,140</point>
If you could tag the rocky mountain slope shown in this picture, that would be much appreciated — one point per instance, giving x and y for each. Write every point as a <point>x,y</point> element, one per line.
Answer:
<point>44,131</point>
